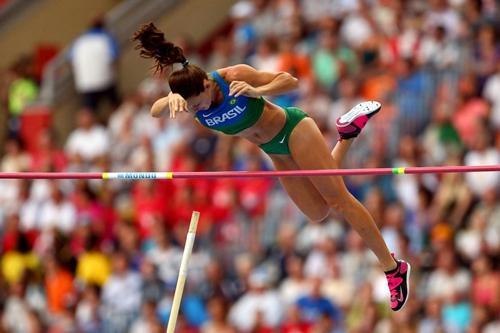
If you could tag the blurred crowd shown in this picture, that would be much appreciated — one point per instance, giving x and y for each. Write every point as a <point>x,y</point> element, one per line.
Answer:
<point>94,256</point>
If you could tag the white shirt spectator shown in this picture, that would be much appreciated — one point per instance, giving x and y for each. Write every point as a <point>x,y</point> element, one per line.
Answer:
<point>490,92</point>
<point>243,315</point>
<point>15,315</point>
<point>60,215</point>
<point>122,293</point>
<point>8,197</point>
<point>447,18</point>
<point>314,231</point>
<point>92,57</point>
<point>480,181</point>
<point>164,142</point>
<point>144,124</point>
<point>141,326</point>
<point>406,187</point>
<point>40,190</point>
<point>442,54</point>
<point>380,292</point>
<point>269,63</point>
<point>29,213</point>
<point>340,290</point>
<point>88,144</point>
<point>168,262</point>
<point>317,9</point>
<point>291,290</point>
<point>316,264</point>
<point>492,327</point>
<point>444,284</point>
<point>120,117</point>
<point>356,30</point>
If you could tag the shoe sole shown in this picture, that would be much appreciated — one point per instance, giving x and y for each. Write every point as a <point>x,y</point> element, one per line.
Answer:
<point>407,287</point>
<point>364,108</point>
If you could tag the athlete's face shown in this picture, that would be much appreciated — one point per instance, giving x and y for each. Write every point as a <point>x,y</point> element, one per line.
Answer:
<point>201,101</point>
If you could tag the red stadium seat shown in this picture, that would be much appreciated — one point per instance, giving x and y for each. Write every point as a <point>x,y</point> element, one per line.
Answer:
<point>43,54</point>
<point>34,120</point>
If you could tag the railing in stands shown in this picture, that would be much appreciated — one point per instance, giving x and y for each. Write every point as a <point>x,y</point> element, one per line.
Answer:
<point>10,8</point>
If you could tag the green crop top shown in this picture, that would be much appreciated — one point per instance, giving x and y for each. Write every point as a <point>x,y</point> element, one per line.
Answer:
<point>234,114</point>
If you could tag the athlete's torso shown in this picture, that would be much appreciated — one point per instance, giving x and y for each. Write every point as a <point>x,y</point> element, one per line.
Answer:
<point>233,114</point>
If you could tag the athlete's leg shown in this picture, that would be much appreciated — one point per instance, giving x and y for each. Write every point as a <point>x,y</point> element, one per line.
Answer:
<point>309,150</point>
<point>339,151</point>
<point>301,190</point>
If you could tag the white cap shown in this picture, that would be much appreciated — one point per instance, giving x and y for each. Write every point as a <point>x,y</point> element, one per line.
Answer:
<point>242,9</point>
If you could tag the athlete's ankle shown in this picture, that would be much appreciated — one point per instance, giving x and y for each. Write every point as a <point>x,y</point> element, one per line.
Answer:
<point>391,267</point>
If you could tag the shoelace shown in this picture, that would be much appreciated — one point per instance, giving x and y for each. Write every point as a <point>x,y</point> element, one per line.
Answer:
<point>392,286</point>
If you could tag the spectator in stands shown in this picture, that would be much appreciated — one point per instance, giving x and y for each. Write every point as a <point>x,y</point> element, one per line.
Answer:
<point>471,112</point>
<point>260,306</point>
<point>59,286</point>
<point>491,87</point>
<point>486,53</point>
<point>413,96</point>
<point>18,260</point>
<point>57,212</point>
<point>244,34</point>
<point>265,57</point>
<point>89,141</point>
<point>153,288</point>
<point>296,284</point>
<point>148,321</point>
<point>485,288</point>
<point>121,296</point>
<point>15,158</point>
<point>218,310</point>
<point>164,255</point>
<point>293,323</point>
<point>22,91</point>
<point>93,266</point>
<point>331,60</point>
<point>48,157</point>
<point>449,278</point>
<point>337,287</point>
<point>15,312</point>
<point>482,153</point>
<point>87,311</point>
<point>93,57</point>
<point>314,305</point>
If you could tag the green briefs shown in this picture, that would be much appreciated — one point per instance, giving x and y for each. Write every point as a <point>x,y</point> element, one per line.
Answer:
<point>279,144</point>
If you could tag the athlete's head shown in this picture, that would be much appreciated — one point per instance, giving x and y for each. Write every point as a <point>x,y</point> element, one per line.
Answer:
<point>191,82</point>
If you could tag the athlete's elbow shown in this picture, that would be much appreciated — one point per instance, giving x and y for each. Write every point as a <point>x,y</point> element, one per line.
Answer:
<point>294,82</point>
<point>156,112</point>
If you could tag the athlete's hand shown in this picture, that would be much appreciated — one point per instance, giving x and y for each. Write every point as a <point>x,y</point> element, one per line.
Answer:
<point>176,103</point>
<point>238,88</point>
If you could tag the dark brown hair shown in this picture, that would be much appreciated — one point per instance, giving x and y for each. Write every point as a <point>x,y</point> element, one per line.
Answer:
<point>187,81</point>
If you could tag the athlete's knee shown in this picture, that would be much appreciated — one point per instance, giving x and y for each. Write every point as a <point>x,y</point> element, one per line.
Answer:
<point>339,203</point>
<point>320,215</point>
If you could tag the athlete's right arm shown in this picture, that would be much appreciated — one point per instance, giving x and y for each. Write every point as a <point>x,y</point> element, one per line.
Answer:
<point>172,103</point>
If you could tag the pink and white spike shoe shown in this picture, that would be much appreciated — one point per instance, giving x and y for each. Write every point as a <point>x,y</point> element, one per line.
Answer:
<point>350,124</point>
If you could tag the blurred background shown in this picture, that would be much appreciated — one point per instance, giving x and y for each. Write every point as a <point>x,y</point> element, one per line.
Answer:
<point>95,256</point>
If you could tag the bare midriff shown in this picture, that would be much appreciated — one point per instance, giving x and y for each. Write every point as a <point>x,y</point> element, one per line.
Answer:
<point>271,121</point>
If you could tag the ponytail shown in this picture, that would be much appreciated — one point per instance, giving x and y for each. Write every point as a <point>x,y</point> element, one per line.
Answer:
<point>153,44</point>
<point>189,81</point>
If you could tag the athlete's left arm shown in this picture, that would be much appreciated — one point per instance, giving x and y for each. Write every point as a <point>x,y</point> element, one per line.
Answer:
<point>246,80</point>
